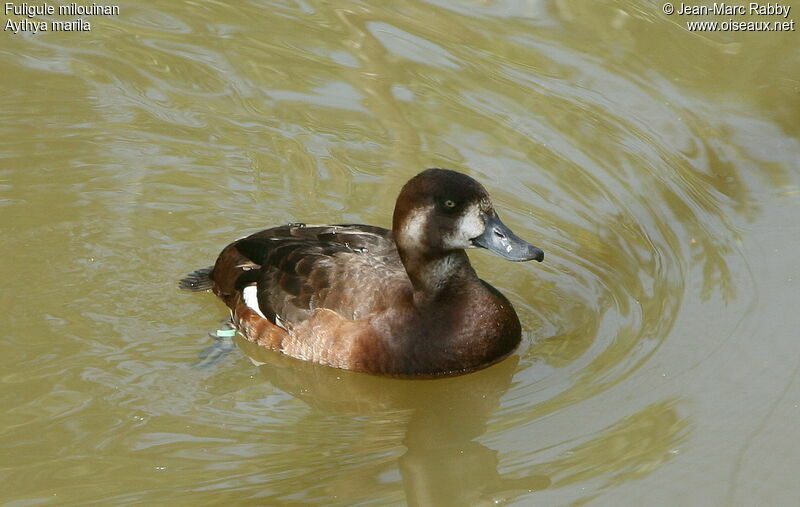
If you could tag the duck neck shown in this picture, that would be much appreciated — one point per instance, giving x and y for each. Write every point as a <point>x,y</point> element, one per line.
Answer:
<point>431,274</point>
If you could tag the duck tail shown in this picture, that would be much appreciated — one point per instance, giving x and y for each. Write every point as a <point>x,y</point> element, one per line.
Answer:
<point>197,281</point>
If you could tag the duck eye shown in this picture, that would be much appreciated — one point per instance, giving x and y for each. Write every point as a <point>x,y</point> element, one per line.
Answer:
<point>449,204</point>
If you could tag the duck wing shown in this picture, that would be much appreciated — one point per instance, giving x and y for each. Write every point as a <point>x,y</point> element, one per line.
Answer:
<point>350,269</point>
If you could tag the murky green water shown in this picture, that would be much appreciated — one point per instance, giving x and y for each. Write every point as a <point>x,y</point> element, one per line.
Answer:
<point>658,168</point>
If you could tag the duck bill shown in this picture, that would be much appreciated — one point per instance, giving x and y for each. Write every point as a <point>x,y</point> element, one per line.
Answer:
<point>501,240</point>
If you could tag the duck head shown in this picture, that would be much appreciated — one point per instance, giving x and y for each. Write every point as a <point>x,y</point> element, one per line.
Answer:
<point>440,211</point>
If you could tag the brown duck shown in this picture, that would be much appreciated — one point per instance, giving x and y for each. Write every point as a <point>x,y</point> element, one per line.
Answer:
<point>404,302</point>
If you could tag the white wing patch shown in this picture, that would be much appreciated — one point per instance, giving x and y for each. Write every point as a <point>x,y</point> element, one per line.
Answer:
<point>280,322</point>
<point>250,295</point>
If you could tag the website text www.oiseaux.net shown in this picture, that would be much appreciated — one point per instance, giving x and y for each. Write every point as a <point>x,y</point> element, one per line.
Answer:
<point>740,26</point>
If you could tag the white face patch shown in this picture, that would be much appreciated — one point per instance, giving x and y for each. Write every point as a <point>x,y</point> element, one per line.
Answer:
<point>250,295</point>
<point>470,225</point>
<point>456,232</point>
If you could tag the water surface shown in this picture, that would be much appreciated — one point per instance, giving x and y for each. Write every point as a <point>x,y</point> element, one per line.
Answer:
<point>657,168</point>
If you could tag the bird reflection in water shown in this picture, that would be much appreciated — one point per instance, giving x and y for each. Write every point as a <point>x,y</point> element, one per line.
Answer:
<point>438,422</point>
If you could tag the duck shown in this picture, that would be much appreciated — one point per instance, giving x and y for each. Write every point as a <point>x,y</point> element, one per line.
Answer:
<point>404,302</point>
